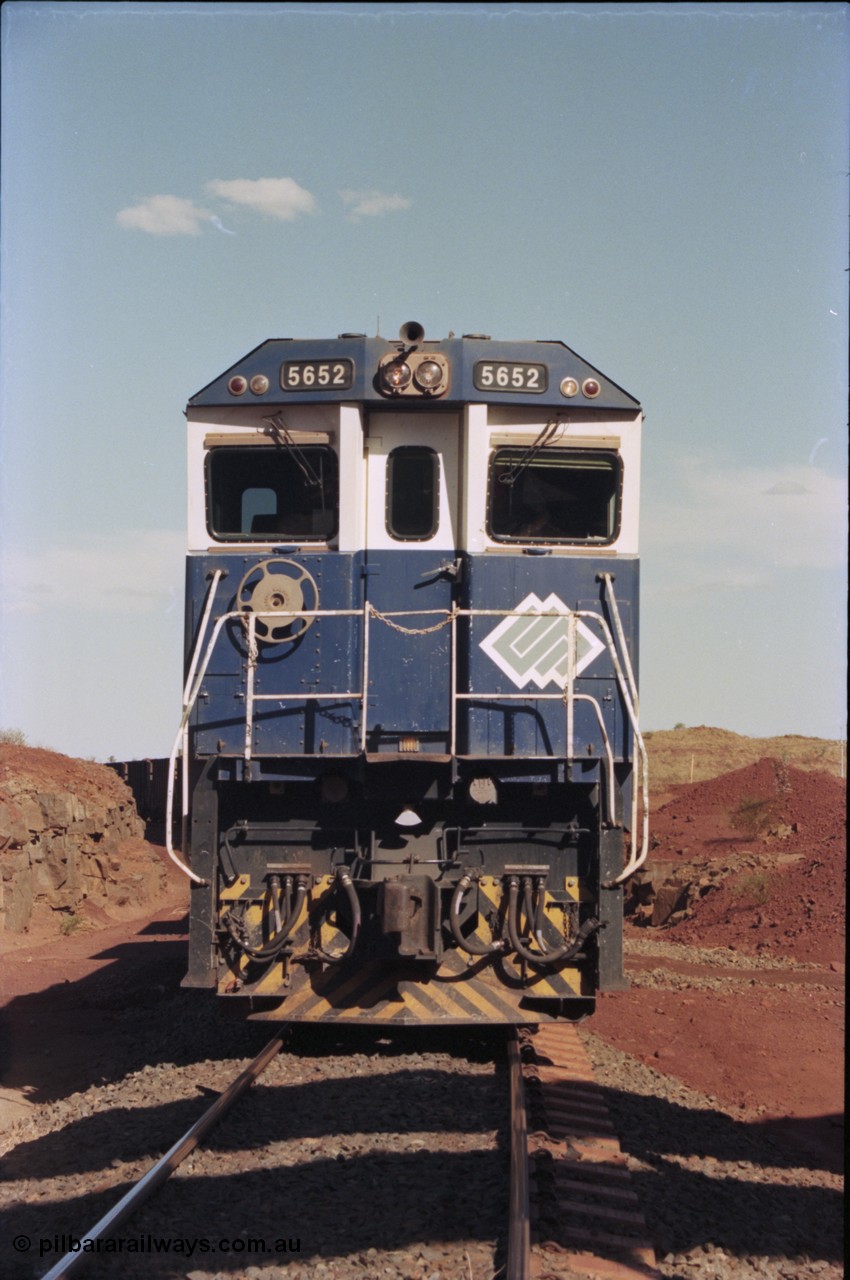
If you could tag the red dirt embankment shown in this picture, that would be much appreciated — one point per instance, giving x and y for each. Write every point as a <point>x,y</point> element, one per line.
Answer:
<point>720,998</point>
<point>777,834</point>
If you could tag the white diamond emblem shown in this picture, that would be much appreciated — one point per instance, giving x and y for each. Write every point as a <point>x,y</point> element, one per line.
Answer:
<point>535,648</point>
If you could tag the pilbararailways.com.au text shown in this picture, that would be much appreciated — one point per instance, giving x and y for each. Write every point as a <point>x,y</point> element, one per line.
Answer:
<point>184,1245</point>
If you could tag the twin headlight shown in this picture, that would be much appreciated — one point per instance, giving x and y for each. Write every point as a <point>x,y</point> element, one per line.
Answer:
<point>424,373</point>
<point>413,374</point>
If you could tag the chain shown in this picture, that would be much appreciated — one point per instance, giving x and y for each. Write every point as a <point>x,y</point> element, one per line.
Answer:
<point>415,631</point>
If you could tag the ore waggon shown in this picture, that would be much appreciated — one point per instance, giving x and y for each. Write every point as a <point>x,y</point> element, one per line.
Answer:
<point>413,780</point>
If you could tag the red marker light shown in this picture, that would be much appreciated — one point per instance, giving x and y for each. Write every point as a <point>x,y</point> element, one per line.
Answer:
<point>237,386</point>
<point>590,388</point>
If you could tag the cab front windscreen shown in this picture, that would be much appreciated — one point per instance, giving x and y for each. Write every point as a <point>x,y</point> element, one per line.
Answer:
<point>276,493</point>
<point>554,495</point>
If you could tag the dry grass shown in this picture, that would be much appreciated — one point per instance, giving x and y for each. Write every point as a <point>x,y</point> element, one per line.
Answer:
<point>753,889</point>
<point>755,816</point>
<point>693,755</point>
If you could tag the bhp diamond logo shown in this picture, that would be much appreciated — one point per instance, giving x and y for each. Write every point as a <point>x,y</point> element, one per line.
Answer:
<point>535,648</point>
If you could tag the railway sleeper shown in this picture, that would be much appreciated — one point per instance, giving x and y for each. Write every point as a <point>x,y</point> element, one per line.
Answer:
<point>586,1216</point>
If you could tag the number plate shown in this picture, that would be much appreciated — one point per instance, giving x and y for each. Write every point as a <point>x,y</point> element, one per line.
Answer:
<point>317,375</point>
<point>491,376</point>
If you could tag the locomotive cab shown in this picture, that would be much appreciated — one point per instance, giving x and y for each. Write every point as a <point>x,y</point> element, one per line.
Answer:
<point>409,742</point>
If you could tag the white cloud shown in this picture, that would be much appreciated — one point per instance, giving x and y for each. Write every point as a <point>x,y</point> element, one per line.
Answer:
<point>372,204</point>
<point>219,225</point>
<point>163,216</point>
<point>750,520</point>
<point>127,573</point>
<point>279,198</point>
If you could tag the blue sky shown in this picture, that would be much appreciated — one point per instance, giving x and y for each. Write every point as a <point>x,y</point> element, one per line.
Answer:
<point>662,188</point>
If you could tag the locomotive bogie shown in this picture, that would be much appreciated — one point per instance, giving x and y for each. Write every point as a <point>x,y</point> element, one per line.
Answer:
<point>410,744</point>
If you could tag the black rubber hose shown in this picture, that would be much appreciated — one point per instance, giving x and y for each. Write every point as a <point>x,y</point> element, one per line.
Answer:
<point>527,906</point>
<point>273,947</point>
<point>540,915</point>
<point>470,945</point>
<point>551,958</point>
<point>274,891</point>
<point>287,899</point>
<point>344,879</point>
<point>513,925</point>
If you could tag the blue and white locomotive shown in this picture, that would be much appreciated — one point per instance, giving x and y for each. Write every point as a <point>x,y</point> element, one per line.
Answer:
<point>413,778</point>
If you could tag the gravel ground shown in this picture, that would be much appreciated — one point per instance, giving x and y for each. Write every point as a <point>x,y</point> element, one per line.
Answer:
<point>716,957</point>
<point>679,982</point>
<point>721,1201</point>
<point>738,968</point>
<point>363,1155</point>
<point>380,1161</point>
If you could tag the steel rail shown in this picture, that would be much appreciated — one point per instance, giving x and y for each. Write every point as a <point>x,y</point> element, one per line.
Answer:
<point>165,1166</point>
<point>518,1261</point>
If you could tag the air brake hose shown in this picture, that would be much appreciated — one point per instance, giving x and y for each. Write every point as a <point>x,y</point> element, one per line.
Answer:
<point>282,904</point>
<point>275,944</point>
<point>534,915</point>
<point>551,958</point>
<point>287,899</point>
<point>513,925</point>
<point>274,887</point>
<point>470,945</point>
<point>540,915</point>
<point>344,879</point>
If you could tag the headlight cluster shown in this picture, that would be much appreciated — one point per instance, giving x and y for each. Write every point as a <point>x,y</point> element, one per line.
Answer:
<point>410,374</point>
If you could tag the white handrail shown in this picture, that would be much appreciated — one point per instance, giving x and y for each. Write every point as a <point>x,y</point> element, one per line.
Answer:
<point>634,864</point>
<point>609,754</point>
<point>182,739</point>
<point>625,681</point>
<point>636,861</point>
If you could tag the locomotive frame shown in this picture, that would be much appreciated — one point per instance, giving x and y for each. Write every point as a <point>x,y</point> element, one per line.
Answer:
<point>410,743</point>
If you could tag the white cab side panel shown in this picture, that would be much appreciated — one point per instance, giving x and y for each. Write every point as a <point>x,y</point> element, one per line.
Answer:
<point>352,479</point>
<point>490,427</point>
<point>388,431</point>
<point>475,455</point>
<point>340,426</point>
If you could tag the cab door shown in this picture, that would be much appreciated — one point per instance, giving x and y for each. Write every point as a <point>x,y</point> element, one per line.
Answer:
<point>411,576</point>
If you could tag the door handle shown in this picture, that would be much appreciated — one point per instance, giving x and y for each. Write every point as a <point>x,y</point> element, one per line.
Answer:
<point>449,569</point>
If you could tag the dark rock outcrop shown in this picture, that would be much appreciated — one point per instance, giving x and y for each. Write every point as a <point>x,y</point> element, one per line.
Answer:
<point>70,839</point>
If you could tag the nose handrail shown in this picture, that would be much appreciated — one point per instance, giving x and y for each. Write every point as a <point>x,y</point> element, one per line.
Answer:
<point>623,670</point>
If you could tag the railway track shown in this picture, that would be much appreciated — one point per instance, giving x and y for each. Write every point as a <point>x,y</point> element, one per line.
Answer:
<point>165,1166</point>
<point>571,1209</point>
